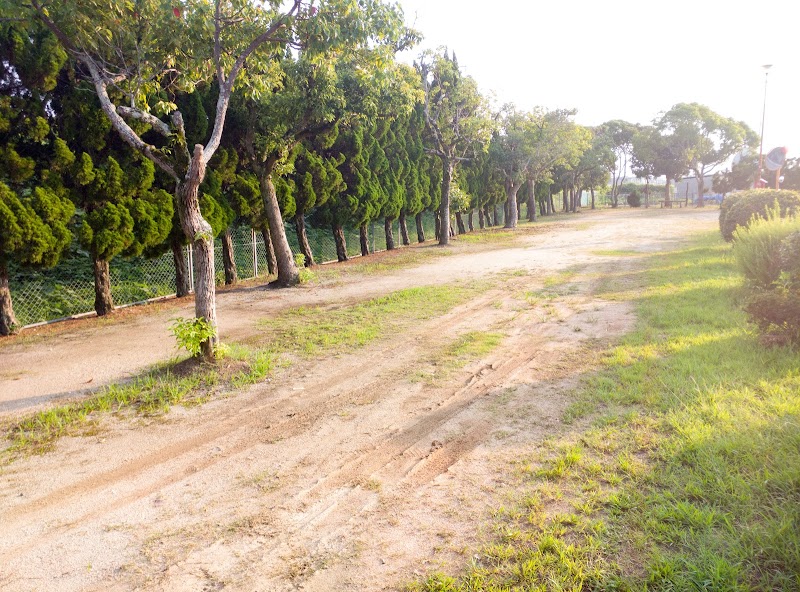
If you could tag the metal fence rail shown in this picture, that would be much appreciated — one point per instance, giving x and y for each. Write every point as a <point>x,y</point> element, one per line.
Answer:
<point>68,289</point>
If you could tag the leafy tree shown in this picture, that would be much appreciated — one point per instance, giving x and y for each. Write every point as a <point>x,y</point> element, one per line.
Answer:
<point>594,164</point>
<point>317,179</point>
<point>512,152</point>
<point>703,138</point>
<point>645,156</point>
<point>740,177</point>
<point>619,136</point>
<point>34,208</point>
<point>138,56</point>
<point>457,118</point>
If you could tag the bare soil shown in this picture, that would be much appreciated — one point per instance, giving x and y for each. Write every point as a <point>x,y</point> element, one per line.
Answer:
<point>351,472</point>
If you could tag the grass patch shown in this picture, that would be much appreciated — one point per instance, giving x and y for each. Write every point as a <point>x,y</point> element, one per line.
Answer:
<point>188,382</point>
<point>488,237</point>
<point>467,348</point>
<point>684,473</point>
<point>315,330</point>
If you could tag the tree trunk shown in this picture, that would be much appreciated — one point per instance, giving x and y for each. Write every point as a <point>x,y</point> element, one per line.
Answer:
<point>646,192</point>
<point>444,208</point>
<point>363,236</point>
<point>198,230</point>
<point>564,202</point>
<point>470,220</point>
<point>592,192</point>
<point>103,302</point>
<point>511,205</point>
<point>667,197</point>
<point>228,261</point>
<point>341,244</point>
<point>302,239</point>
<point>460,223</point>
<point>404,228</point>
<point>701,189</point>
<point>531,201</point>
<point>481,219</point>
<point>8,322</point>
<point>387,229</point>
<point>495,221</point>
<point>288,274</point>
<point>272,263</point>
<point>551,206</point>
<point>437,224</point>
<point>183,286</point>
<point>420,229</point>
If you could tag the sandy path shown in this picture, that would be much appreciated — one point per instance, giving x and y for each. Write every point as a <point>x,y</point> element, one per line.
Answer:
<point>92,353</point>
<point>345,474</point>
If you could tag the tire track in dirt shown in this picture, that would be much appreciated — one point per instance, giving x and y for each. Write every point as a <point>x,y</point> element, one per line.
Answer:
<point>297,415</point>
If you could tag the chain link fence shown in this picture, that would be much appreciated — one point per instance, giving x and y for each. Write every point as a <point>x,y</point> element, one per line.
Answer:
<point>68,289</point>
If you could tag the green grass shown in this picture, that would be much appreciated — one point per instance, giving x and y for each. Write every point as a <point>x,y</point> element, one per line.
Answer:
<point>465,349</point>
<point>488,236</point>
<point>682,469</point>
<point>186,382</point>
<point>313,331</point>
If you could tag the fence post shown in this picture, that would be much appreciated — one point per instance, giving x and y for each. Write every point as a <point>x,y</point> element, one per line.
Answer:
<point>255,252</point>
<point>190,261</point>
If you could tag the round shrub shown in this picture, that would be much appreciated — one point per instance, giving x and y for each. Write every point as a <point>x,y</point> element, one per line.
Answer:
<point>777,314</point>
<point>739,208</point>
<point>790,258</point>
<point>634,199</point>
<point>758,248</point>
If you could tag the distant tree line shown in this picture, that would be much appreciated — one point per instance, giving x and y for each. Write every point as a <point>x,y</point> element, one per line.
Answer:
<point>141,127</point>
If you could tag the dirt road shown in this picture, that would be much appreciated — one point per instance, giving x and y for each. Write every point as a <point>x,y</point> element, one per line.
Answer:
<point>343,472</point>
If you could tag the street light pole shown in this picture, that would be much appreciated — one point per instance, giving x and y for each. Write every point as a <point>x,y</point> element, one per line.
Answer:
<point>763,118</point>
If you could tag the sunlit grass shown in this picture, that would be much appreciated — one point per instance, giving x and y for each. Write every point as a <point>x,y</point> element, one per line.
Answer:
<point>683,466</point>
<point>315,330</point>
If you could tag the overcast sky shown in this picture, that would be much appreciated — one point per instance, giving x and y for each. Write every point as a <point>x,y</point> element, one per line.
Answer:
<point>625,59</point>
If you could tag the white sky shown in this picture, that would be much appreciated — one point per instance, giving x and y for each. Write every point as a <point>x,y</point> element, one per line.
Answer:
<point>625,59</point>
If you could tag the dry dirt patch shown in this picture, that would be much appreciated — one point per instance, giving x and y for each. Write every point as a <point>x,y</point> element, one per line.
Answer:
<point>343,473</point>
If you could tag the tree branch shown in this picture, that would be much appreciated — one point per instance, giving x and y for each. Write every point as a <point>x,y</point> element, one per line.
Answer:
<point>148,118</point>
<point>226,87</point>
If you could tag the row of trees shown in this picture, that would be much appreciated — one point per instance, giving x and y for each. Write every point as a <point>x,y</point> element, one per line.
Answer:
<point>118,112</point>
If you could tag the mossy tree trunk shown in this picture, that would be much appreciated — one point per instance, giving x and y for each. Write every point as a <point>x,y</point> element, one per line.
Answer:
<point>8,322</point>
<point>183,286</point>
<point>272,264</point>
<point>103,302</point>
<point>387,228</point>
<point>420,228</point>
<point>228,260</point>
<point>363,236</point>
<point>403,228</point>
<point>302,239</point>
<point>341,244</point>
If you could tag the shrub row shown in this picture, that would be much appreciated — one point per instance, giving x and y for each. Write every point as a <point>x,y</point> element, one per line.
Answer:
<point>768,254</point>
<point>739,208</point>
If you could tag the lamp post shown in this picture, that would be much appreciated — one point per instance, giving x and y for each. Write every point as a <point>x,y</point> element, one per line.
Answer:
<point>763,118</point>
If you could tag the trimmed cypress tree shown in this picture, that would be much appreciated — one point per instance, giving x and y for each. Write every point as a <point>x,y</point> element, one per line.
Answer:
<point>122,215</point>
<point>34,209</point>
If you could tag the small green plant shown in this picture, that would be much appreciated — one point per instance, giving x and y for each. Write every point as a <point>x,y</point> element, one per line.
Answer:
<point>191,333</point>
<point>306,275</point>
